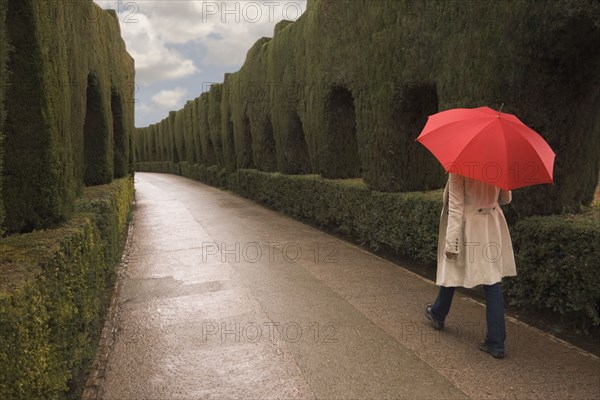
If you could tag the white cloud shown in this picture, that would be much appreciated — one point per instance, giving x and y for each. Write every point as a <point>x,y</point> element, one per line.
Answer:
<point>155,61</point>
<point>171,40</point>
<point>169,99</point>
<point>167,22</point>
<point>240,24</point>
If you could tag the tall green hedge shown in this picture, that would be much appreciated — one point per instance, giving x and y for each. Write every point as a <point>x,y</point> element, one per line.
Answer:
<point>145,143</point>
<point>32,188</point>
<point>179,136</point>
<point>161,132</point>
<point>173,154</point>
<point>188,132</point>
<point>254,105</point>
<point>120,139</point>
<point>97,145</point>
<point>228,94</point>
<point>208,148</point>
<point>54,288</point>
<point>214,122</point>
<point>286,73</point>
<point>196,121</point>
<point>3,82</point>
<point>69,108</point>
<point>309,100</point>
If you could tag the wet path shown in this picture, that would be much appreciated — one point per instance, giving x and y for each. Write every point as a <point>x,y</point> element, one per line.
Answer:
<point>225,299</point>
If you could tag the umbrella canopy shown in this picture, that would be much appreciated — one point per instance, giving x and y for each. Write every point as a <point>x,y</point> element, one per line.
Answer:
<point>490,146</point>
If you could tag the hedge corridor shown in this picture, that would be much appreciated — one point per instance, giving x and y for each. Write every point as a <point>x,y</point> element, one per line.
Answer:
<point>345,89</point>
<point>320,122</point>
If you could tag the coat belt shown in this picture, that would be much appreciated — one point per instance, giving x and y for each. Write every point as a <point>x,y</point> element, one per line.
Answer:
<point>488,209</point>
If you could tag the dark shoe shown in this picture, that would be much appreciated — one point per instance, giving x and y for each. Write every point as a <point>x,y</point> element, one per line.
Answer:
<point>496,354</point>
<point>436,325</point>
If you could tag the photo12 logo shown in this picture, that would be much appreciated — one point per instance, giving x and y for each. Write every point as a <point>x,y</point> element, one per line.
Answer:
<point>127,11</point>
<point>253,332</point>
<point>252,11</point>
<point>271,252</point>
<point>493,171</point>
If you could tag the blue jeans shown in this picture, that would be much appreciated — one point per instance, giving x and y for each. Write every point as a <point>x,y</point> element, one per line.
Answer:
<point>494,313</point>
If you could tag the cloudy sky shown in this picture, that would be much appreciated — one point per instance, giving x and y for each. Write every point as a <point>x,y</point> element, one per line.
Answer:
<point>180,47</point>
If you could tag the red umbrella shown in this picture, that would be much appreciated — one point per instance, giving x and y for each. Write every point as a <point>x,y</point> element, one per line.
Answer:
<point>490,146</point>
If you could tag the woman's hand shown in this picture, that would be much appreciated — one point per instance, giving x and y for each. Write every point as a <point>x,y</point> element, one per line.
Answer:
<point>451,256</point>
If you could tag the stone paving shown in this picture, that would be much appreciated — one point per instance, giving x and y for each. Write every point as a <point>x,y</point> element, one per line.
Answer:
<point>223,298</point>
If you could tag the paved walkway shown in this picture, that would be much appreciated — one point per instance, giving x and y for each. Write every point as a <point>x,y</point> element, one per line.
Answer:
<point>225,299</point>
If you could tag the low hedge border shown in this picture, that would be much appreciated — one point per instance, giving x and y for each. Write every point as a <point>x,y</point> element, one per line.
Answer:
<point>558,260</point>
<point>558,265</point>
<point>54,287</point>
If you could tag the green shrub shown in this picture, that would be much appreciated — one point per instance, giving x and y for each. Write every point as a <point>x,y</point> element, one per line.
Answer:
<point>97,151</point>
<point>173,154</point>
<point>120,136</point>
<point>214,122</point>
<point>152,136</point>
<point>208,148</point>
<point>160,143</point>
<point>109,206</point>
<point>53,293</point>
<point>3,81</point>
<point>558,264</point>
<point>188,132</point>
<point>33,188</point>
<point>179,135</point>
<point>287,70</point>
<point>227,137</point>
<point>253,98</point>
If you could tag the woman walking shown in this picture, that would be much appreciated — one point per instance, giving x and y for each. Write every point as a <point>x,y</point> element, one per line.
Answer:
<point>474,248</point>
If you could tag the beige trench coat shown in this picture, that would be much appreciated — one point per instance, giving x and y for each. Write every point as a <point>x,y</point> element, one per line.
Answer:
<point>473,226</point>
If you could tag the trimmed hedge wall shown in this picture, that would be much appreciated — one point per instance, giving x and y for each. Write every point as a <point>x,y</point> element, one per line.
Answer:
<point>3,81</point>
<point>53,295</point>
<point>188,132</point>
<point>557,256</point>
<point>121,137</point>
<point>69,108</point>
<point>309,100</point>
<point>97,147</point>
